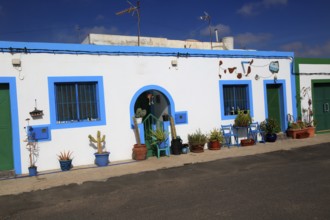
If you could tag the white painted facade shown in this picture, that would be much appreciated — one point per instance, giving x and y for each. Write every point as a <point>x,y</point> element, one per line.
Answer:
<point>194,87</point>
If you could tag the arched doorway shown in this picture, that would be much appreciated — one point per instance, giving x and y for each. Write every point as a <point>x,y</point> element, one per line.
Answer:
<point>157,102</point>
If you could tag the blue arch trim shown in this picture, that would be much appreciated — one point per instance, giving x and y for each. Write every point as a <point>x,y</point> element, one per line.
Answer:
<point>14,121</point>
<point>283,100</point>
<point>146,88</point>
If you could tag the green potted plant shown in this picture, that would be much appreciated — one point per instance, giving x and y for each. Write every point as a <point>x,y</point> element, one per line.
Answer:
<point>101,157</point>
<point>65,160</point>
<point>298,129</point>
<point>158,136</point>
<point>197,141</point>
<point>270,127</point>
<point>215,139</point>
<point>243,119</point>
<point>139,114</point>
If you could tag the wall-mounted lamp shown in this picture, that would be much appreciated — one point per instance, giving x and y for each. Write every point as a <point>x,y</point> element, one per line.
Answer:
<point>16,62</point>
<point>174,63</point>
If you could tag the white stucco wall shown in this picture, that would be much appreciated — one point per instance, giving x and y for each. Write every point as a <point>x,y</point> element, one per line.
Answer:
<point>193,85</point>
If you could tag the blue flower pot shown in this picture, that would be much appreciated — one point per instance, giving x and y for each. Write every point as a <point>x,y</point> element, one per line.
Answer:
<point>102,160</point>
<point>33,171</point>
<point>271,137</point>
<point>65,165</point>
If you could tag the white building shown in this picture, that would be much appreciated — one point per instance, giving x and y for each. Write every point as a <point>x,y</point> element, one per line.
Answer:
<point>85,88</point>
<point>313,82</point>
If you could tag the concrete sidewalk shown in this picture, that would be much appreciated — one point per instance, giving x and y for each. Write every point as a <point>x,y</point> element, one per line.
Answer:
<point>78,175</point>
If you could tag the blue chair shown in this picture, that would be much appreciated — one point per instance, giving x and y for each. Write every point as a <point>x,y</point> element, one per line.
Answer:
<point>254,130</point>
<point>163,146</point>
<point>228,133</point>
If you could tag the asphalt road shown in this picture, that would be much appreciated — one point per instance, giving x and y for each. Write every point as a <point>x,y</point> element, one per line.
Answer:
<point>291,184</point>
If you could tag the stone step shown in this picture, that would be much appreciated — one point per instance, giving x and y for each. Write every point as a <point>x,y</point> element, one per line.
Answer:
<point>282,136</point>
<point>7,173</point>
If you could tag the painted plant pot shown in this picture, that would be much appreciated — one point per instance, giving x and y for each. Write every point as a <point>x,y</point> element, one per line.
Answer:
<point>102,160</point>
<point>271,137</point>
<point>33,171</point>
<point>65,165</point>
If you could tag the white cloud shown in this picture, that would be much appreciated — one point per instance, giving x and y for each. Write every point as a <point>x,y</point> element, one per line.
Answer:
<point>251,40</point>
<point>223,30</point>
<point>303,50</point>
<point>99,17</point>
<point>248,9</point>
<point>254,8</point>
<point>269,3</point>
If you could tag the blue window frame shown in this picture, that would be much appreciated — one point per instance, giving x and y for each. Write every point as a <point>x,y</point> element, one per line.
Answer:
<point>235,95</point>
<point>76,101</point>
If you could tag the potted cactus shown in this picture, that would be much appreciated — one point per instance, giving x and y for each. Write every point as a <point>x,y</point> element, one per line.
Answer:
<point>139,114</point>
<point>101,157</point>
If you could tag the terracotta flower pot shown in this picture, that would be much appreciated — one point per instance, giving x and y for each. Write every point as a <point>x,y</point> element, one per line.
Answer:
<point>139,152</point>
<point>197,148</point>
<point>311,131</point>
<point>214,145</point>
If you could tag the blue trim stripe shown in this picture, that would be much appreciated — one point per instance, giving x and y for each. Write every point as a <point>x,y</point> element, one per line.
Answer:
<point>52,105</point>
<point>102,49</point>
<point>14,121</point>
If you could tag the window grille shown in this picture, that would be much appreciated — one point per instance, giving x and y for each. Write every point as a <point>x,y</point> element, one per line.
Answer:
<point>235,98</point>
<point>76,102</point>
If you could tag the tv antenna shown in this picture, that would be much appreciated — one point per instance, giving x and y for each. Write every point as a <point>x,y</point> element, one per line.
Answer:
<point>207,17</point>
<point>132,9</point>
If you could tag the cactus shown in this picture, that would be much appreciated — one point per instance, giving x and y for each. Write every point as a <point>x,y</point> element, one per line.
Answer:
<point>140,113</point>
<point>98,141</point>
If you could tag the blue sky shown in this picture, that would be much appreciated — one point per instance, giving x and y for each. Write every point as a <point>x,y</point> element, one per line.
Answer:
<point>300,26</point>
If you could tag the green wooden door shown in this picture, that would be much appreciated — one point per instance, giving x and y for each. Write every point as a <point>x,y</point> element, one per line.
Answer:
<point>6,145</point>
<point>274,102</point>
<point>321,105</point>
